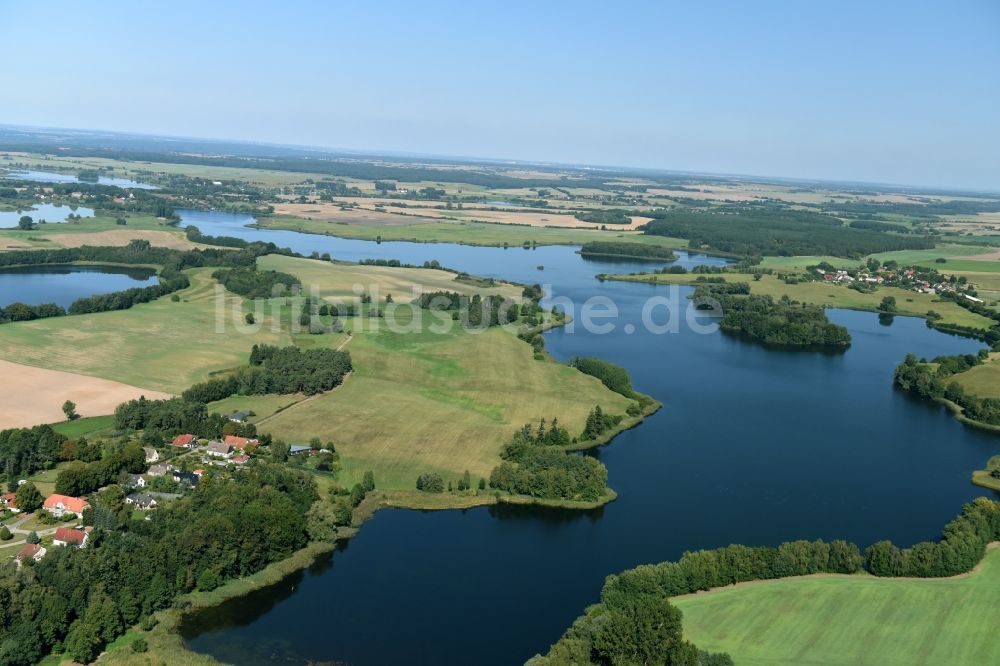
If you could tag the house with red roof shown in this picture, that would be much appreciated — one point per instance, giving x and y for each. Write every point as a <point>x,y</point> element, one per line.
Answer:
<point>31,551</point>
<point>240,443</point>
<point>60,505</point>
<point>187,441</point>
<point>66,536</point>
<point>7,502</point>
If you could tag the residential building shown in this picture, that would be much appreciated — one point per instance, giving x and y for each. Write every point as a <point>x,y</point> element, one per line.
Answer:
<point>66,536</point>
<point>219,449</point>
<point>61,505</point>
<point>186,441</point>
<point>31,551</point>
<point>141,501</point>
<point>152,455</point>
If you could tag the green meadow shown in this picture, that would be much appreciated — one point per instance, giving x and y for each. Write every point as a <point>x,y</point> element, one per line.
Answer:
<point>852,620</point>
<point>162,345</point>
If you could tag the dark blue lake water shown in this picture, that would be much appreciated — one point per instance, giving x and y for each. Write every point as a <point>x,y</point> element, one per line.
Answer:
<point>62,285</point>
<point>753,445</point>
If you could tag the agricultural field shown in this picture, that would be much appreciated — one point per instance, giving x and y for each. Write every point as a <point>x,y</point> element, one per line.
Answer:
<point>834,296</point>
<point>101,230</point>
<point>337,281</point>
<point>852,620</point>
<point>422,230</point>
<point>432,402</point>
<point>162,345</point>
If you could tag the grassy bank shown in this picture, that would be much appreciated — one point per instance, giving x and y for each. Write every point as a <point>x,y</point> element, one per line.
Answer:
<point>852,620</point>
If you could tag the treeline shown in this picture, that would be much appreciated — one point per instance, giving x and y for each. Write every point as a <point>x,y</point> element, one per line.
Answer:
<point>532,465</point>
<point>475,312</point>
<point>194,235</point>
<point>612,376</point>
<point>627,250</point>
<point>280,370</point>
<point>252,283</point>
<point>928,381</point>
<point>123,300</point>
<point>24,451</point>
<point>755,232</point>
<point>635,623</point>
<point>612,216</point>
<point>77,600</point>
<point>784,322</point>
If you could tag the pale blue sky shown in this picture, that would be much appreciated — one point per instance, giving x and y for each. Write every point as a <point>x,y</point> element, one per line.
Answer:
<point>901,92</point>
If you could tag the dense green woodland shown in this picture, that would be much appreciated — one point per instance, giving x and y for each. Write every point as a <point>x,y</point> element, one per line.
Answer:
<point>252,283</point>
<point>475,312</point>
<point>536,464</point>
<point>634,622</point>
<point>613,216</point>
<point>24,451</point>
<point>757,232</point>
<point>81,599</point>
<point>630,250</point>
<point>784,322</point>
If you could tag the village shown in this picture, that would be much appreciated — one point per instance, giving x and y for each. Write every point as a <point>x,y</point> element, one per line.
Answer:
<point>172,469</point>
<point>914,278</point>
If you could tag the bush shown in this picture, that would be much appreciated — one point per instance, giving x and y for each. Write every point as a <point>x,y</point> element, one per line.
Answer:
<point>430,483</point>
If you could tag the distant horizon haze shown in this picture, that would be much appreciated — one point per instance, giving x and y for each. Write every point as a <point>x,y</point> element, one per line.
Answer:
<point>887,93</point>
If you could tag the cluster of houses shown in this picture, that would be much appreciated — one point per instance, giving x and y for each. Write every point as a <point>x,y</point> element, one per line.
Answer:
<point>231,449</point>
<point>904,278</point>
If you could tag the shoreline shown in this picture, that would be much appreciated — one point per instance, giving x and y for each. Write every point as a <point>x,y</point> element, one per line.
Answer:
<point>165,640</point>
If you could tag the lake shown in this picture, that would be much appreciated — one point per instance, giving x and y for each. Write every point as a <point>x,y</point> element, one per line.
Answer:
<point>62,285</point>
<point>753,445</point>
<point>53,177</point>
<point>47,212</point>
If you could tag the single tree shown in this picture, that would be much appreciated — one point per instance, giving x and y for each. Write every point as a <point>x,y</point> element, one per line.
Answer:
<point>69,409</point>
<point>28,498</point>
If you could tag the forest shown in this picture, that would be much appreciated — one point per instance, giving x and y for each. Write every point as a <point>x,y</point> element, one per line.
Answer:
<point>627,250</point>
<point>928,382</point>
<point>252,283</point>
<point>784,322</point>
<point>612,216</point>
<point>759,232</point>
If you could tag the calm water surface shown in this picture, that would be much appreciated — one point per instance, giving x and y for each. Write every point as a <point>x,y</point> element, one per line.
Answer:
<point>40,212</point>
<point>52,177</point>
<point>752,446</point>
<point>62,285</point>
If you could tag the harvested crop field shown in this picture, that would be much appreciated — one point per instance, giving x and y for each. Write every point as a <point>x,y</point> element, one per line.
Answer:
<point>120,237</point>
<point>35,395</point>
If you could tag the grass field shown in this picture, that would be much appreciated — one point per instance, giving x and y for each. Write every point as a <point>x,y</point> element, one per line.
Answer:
<point>103,230</point>
<point>982,380</point>
<point>336,282</point>
<point>429,402</point>
<point>263,406</point>
<point>836,296</point>
<point>467,233</point>
<point>852,620</point>
<point>84,426</point>
<point>161,345</point>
